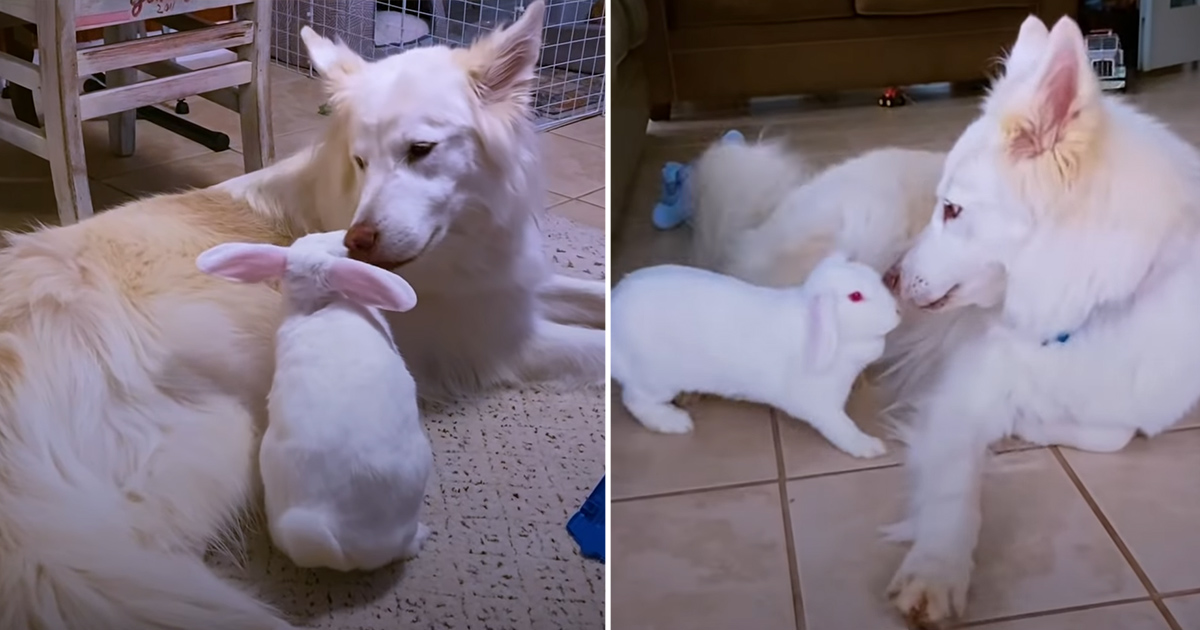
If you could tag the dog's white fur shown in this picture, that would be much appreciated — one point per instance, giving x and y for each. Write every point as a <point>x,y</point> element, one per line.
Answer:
<point>1069,212</point>
<point>133,387</point>
<point>680,329</point>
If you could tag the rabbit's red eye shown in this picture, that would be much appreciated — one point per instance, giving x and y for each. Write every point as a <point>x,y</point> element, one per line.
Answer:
<point>950,211</point>
<point>857,296</point>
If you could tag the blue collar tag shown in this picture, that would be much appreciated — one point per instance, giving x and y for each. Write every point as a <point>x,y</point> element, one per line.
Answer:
<point>1059,338</point>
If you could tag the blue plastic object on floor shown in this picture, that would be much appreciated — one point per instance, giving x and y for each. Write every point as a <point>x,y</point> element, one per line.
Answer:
<point>588,524</point>
<point>674,207</point>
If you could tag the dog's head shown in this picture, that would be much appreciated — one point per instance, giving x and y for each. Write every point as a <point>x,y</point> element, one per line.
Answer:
<point>1038,201</point>
<point>424,137</point>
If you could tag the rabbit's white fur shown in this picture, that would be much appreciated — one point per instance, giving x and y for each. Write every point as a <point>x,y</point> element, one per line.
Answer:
<point>682,329</point>
<point>344,459</point>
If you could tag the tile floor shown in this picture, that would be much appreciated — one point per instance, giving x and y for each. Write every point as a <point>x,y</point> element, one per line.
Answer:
<point>754,521</point>
<point>510,468</point>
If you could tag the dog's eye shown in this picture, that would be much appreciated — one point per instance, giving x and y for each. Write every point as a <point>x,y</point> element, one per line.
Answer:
<point>418,150</point>
<point>360,163</point>
<point>950,211</point>
<point>857,296</point>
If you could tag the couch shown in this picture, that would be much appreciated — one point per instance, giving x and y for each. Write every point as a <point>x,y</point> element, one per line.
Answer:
<point>723,51</point>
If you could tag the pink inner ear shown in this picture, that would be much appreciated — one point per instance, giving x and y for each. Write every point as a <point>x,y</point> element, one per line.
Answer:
<point>371,286</point>
<point>1059,88</point>
<point>1055,101</point>
<point>244,262</point>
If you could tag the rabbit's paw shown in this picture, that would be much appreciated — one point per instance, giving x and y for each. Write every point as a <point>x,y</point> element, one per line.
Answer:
<point>667,419</point>
<point>864,446</point>
<point>929,591</point>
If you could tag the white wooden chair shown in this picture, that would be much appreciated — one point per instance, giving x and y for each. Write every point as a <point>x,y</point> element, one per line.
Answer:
<point>241,85</point>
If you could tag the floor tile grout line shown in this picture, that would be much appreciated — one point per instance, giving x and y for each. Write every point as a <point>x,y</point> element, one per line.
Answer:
<point>835,473</point>
<point>800,477</point>
<point>583,142</point>
<point>1181,593</point>
<point>1054,611</point>
<point>748,484</point>
<point>680,493</point>
<point>1116,538</point>
<point>789,540</point>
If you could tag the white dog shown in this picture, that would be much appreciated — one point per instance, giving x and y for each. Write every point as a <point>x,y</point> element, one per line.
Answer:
<point>1092,211</point>
<point>1054,280</point>
<point>133,387</point>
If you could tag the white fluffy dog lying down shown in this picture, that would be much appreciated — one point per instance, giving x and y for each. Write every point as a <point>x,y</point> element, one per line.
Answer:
<point>1054,287</point>
<point>133,387</point>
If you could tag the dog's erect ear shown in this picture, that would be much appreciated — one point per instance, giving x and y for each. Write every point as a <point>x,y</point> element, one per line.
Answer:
<point>1059,107</point>
<point>244,262</point>
<point>1029,48</point>
<point>371,286</point>
<point>502,63</point>
<point>334,61</point>
<point>822,342</point>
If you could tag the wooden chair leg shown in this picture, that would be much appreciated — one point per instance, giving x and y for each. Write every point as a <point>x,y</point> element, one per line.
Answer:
<point>60,99</point>
<point>254,98</point>
<point>122,126</point>
<point>22,97</point>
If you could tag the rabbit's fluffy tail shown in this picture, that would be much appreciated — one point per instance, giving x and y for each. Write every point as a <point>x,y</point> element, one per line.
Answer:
<point>305,536</point>
<point>70,561</point>
<point>735,188</point>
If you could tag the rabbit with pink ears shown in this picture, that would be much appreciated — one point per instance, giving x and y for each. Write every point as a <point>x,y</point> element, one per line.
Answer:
<point>679,329</point>
<point>344,459</point>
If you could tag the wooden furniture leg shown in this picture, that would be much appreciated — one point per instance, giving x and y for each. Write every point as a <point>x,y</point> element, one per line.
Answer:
<point>122,126</point>
<point>17,45</point>
<point>60,98</point>
<point>254,98</point>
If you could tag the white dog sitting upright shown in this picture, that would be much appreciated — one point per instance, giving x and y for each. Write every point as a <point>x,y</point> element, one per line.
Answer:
<point>1092,211</point>
<point>344,459</point>
<point>686,330</point>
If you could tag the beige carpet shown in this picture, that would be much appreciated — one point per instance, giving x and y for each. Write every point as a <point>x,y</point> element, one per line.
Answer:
<point>511,469</point>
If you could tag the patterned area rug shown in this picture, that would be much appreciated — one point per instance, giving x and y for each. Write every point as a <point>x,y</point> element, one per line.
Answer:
<point>511,469</point>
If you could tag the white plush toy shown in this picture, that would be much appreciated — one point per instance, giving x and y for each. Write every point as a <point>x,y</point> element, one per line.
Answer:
<point>344,459</point>
<point>682,329</point>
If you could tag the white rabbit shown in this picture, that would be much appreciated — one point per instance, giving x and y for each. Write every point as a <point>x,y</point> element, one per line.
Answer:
<point>344,459</point>
<point>682,329</point>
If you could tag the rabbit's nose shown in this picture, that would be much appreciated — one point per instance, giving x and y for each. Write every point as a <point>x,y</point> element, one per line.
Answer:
<point>361,238</point>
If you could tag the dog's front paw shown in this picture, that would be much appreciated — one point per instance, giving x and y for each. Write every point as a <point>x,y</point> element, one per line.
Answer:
<point>929,591</point>
<point>865,447</point>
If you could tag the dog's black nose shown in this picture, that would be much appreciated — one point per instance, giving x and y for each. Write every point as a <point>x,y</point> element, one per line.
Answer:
<point>361,239</point>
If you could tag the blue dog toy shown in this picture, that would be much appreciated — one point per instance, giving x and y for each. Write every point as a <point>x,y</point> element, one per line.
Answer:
<point>588,524</point>
<point>674,208</point>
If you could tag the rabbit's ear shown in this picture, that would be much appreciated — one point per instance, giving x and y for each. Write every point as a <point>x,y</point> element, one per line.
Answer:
<point>822,340</point>
<point>371,286</point>
<point>244,262</point>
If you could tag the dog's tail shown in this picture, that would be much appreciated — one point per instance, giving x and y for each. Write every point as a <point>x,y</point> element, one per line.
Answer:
<point>734,188</point>
<point>70,560</point>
